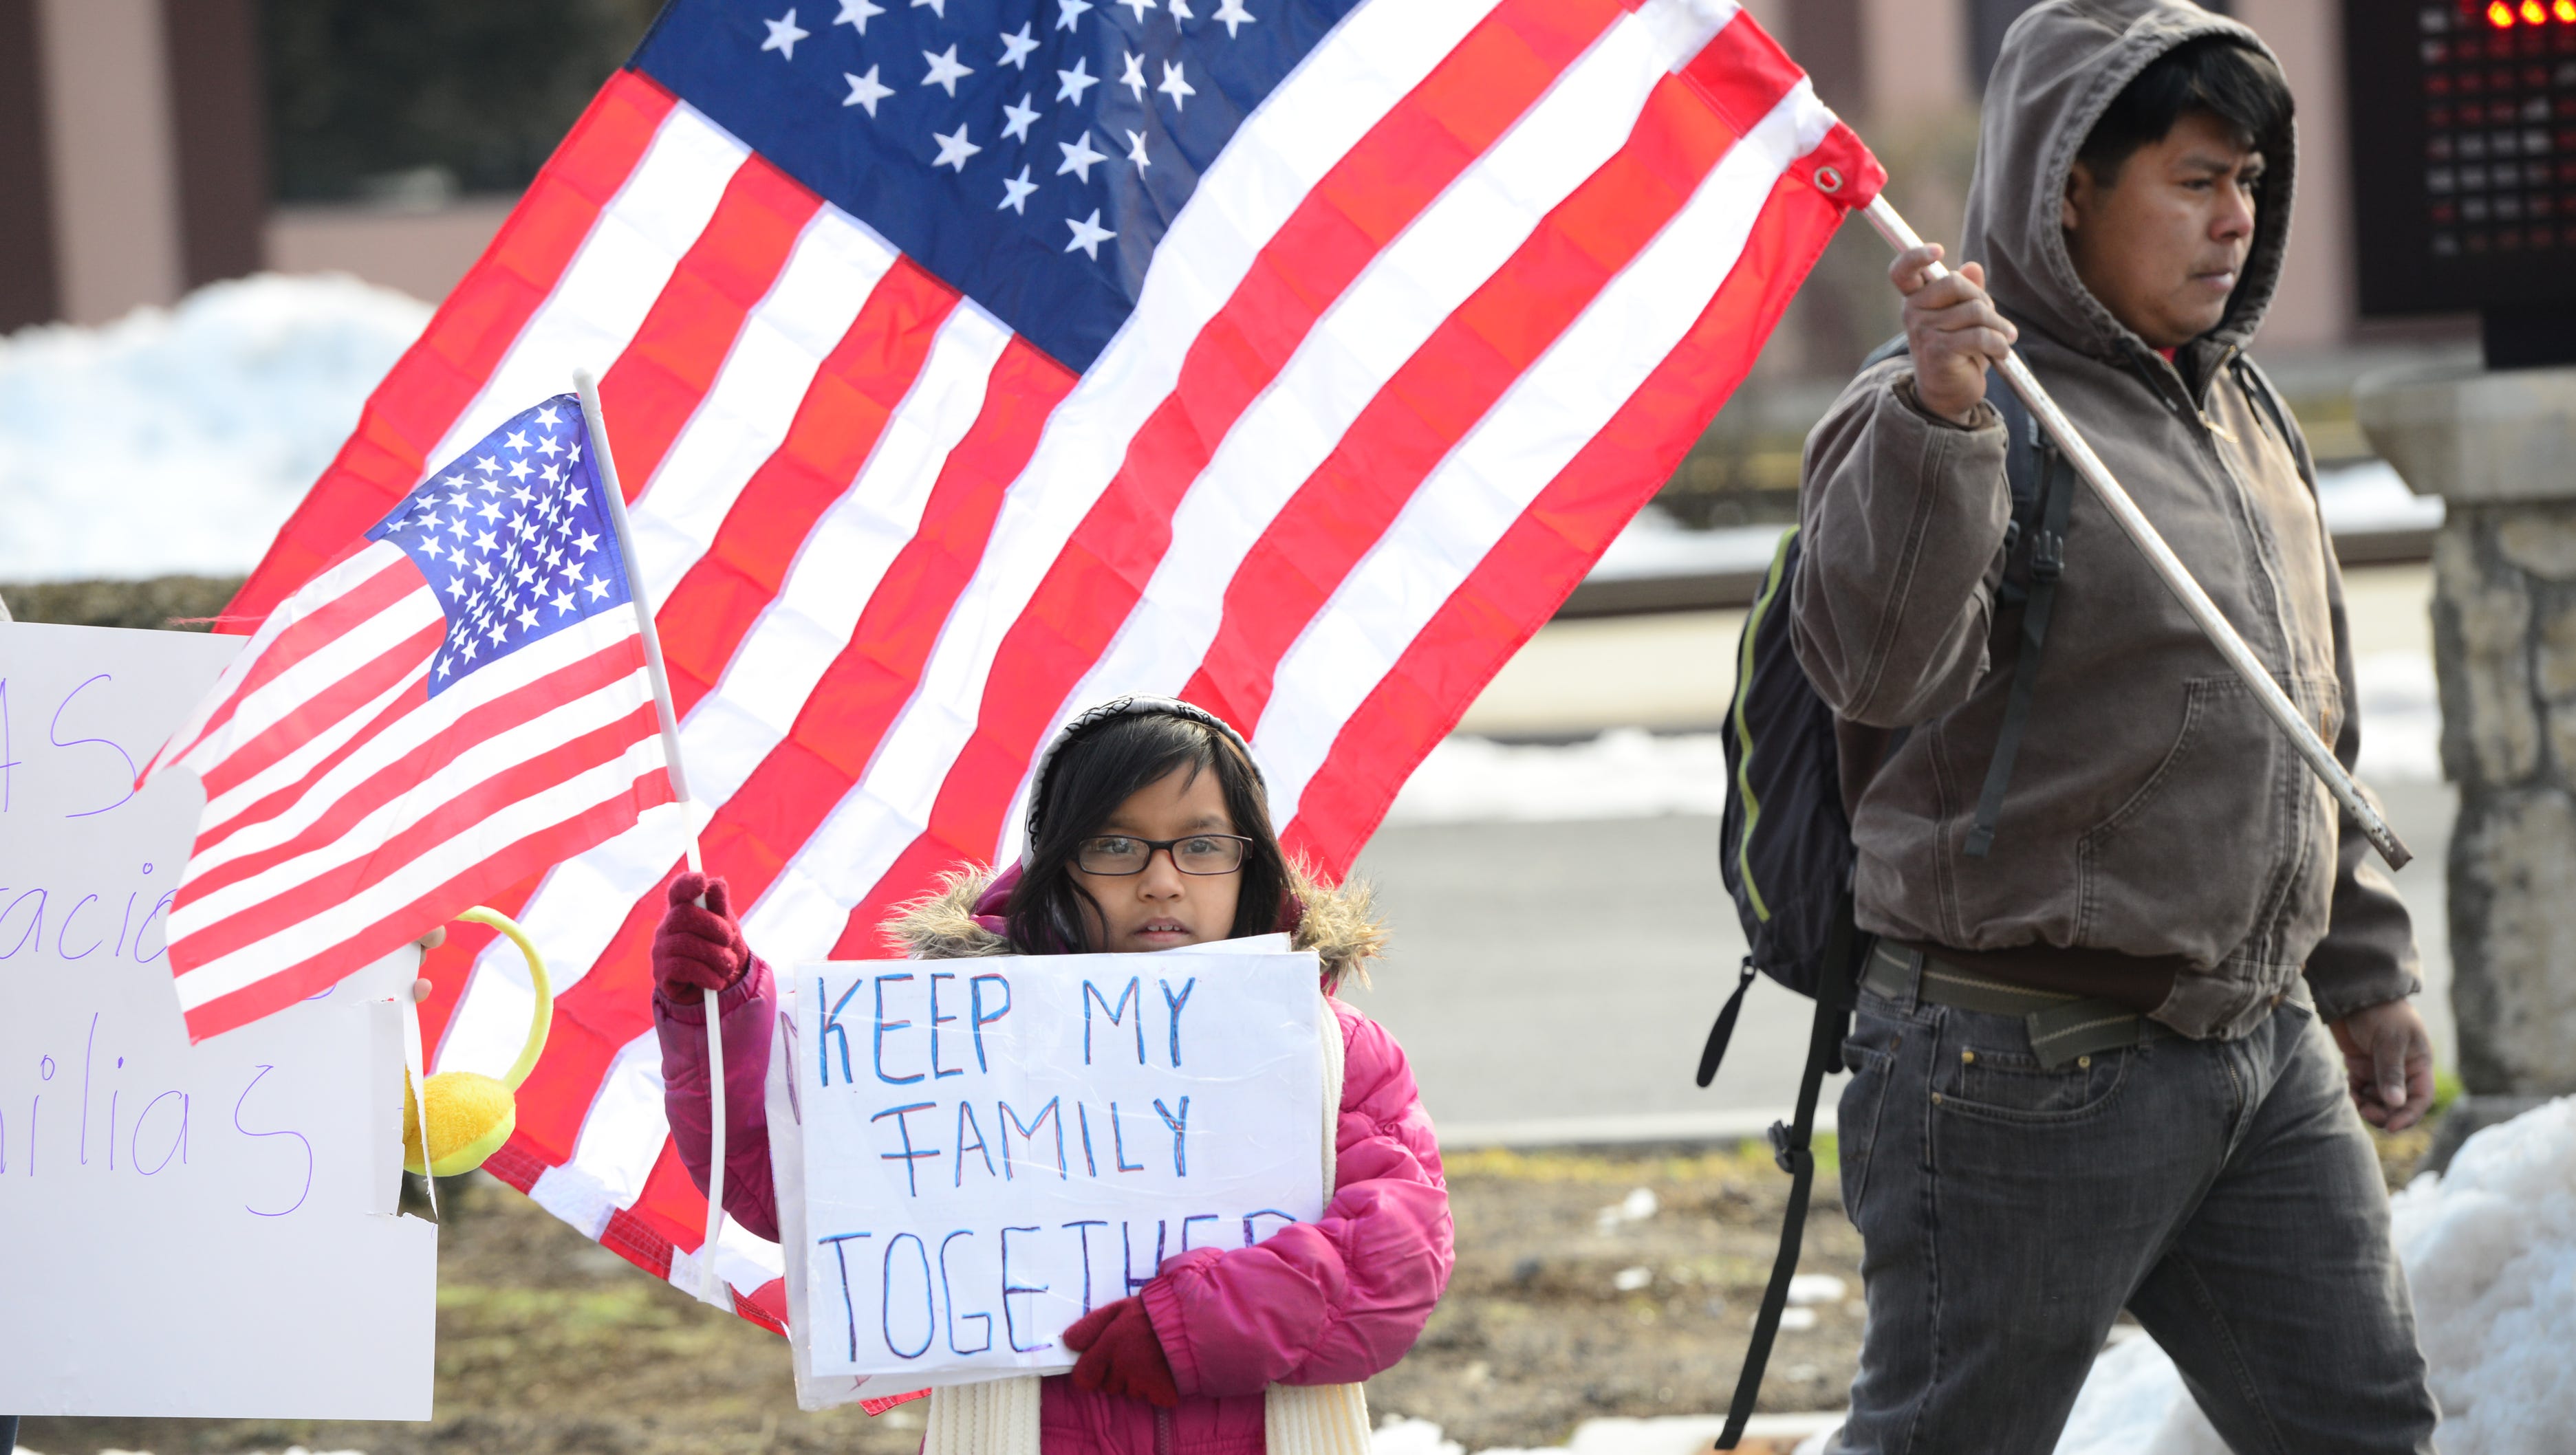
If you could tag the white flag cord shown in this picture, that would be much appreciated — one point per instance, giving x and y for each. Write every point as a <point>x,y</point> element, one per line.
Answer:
<point>2169,568</point>
<point>711,1285</point>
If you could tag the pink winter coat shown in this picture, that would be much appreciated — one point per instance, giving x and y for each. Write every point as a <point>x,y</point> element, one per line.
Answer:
<point>1329,1302</point>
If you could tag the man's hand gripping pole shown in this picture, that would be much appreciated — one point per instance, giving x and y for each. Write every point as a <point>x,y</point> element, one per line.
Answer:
<point>2170,569</point>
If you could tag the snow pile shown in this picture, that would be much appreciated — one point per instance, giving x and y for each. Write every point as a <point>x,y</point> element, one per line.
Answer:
<point>179,439</point>
<point>2401,717</point>
<point>1624,773</point>
<point>2372,498</point>
<point>1654,545</point>
<point>1631,773</point>
<point>2490,1255</point>
<point>2368,498</point>
<point>2490,1252</point>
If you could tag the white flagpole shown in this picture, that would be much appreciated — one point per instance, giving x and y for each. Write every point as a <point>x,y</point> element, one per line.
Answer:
<point>711,1285</point>
<point>2169,567</point>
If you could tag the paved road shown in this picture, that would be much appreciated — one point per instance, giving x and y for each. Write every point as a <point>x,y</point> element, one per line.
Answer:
<point>1552,982</point>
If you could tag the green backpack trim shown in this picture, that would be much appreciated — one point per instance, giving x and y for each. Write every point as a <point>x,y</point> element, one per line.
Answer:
<point>1770,593</point>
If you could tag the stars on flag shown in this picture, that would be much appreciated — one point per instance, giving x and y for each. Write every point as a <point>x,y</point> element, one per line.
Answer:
<point>533,544</point>
<point>1151,48</point>
<point>866,90</point>
<point>1016,190</point>
<point>954,150</point>
<point>1088,234</point>
<point>1076,81</point>
<point>945,72</point>
<point>783,35</point>
<point>1019,118</point>
<point>1078,157</point>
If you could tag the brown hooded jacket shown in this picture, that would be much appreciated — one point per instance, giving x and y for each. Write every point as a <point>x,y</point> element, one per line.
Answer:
<point>2162,843</point>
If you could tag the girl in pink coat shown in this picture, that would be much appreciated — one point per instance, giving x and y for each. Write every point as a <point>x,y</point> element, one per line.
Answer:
<point>1149,828</point>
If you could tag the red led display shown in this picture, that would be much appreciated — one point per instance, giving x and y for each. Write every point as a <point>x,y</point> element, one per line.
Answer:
<point>2465,191</point>
<point>2520,14</point>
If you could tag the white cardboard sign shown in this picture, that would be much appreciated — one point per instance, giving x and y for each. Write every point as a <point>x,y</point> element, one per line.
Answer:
<point>990,1148</point>
<point>202,1231</point>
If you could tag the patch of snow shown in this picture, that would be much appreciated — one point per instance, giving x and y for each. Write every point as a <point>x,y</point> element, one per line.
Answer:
<point>1631,773</point>
<point>1629,1280</point>
<point>2490,1256</point>
<point>1639,1205</point>
<point>1656,545</point>
<point>1624,773</point>
<point>1806,1288</point>
<point>2401,717</point>
<point>1400,1436</point>
<point>179,439</point>
<point>2366,498</point>
<point>2372,497</point>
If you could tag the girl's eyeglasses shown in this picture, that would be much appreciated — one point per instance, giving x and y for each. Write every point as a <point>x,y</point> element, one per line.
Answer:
<point>1197,854</point>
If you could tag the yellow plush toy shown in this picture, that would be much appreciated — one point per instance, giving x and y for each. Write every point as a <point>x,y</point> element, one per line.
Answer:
<point>470,1114</point>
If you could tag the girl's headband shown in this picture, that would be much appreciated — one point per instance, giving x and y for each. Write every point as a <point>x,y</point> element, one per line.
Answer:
<point>1117,707</point>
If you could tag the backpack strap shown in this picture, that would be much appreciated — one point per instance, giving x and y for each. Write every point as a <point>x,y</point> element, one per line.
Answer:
<point>1724,1031</point>
<point>1793,1147</point>
<point>2047,564</point>
<point>2258,385</point>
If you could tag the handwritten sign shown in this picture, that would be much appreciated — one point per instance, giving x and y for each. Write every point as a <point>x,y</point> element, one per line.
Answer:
<point>991,1148</point>
<point>204,1231</point>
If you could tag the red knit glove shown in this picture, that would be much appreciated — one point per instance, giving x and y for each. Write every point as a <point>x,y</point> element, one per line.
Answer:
<point>698,947</point>
<point>1121,1354</point>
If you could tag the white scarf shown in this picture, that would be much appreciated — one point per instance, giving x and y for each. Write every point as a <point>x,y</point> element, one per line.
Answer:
<point>1000,1417</point>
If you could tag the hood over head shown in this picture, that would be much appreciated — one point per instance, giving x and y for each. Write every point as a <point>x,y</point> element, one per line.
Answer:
<point>963,919</point>
<point>2062,65</point>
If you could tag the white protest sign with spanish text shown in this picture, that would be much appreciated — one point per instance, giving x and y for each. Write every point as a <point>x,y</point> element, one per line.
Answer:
<point>203,1231</point>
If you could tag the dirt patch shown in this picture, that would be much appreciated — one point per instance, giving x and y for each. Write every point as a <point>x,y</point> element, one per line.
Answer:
<point>1541,1330</point>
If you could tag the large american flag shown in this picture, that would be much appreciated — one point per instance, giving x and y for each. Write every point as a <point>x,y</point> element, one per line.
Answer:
<point>459,702</point>
<point>970,361</point>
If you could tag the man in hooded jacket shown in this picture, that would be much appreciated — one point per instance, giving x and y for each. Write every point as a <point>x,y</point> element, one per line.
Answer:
<point>2092,1065</point>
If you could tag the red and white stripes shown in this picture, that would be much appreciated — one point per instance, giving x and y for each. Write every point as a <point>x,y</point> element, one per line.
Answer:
<point>1446,311</point>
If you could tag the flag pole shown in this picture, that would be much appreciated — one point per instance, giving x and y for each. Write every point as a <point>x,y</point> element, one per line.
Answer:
<point>2169,567</point>
<point>711,1285</point>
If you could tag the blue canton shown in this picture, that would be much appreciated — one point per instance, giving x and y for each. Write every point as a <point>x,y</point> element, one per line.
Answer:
<point>515,538</point>
<point>1030,153</point>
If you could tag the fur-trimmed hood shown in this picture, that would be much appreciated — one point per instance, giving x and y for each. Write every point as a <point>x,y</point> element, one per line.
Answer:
<point>958,921</point>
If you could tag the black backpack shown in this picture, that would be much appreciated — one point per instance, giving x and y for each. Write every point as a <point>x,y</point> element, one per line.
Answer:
<point>1785,846</point>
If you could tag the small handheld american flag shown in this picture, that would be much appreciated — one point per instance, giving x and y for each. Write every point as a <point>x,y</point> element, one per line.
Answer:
<point>459,702</point>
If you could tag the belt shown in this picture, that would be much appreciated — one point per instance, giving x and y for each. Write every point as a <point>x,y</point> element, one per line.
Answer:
<point>2061,1027</point>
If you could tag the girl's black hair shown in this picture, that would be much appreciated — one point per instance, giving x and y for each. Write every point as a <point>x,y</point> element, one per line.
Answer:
<point>2219,74</point>
<point>1099,769</point>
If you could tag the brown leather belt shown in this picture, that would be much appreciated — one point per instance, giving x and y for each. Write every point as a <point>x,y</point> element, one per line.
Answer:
<point>2061,1027</point>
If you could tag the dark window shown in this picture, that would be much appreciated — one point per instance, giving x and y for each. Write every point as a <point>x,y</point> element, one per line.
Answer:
<point>416,102</point>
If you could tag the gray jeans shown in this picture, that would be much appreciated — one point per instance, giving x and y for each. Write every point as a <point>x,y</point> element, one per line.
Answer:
<point>2223,1192</point>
